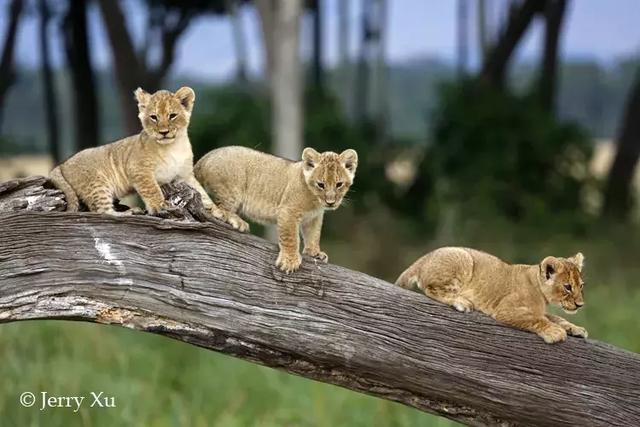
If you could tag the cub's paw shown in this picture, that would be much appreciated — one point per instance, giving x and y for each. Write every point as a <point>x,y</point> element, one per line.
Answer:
<point>463,305</point>
<point>577,331</point>
<point>167,211</point>
<point>553,334</point>
<point>238,223</point>
<point>288,263</point>
<point>317,254</point>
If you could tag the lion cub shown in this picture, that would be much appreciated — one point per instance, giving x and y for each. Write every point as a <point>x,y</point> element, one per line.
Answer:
<point>269,189</point>
<point>516,295</point>
<point>159,154</point>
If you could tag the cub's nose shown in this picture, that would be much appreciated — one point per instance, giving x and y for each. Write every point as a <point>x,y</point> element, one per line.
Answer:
<point>163,132</point>
<point>331,204</point>
<point>579,304</point>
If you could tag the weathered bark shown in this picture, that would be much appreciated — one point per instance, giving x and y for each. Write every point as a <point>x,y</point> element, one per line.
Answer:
<point>495,67</point>
<point>50,97</point>
<point>76,41</point>
<point>7,62</point>
<point>617,197</point>
<point>210,286</point>
<point>132,70</point>
<point>554,16</point>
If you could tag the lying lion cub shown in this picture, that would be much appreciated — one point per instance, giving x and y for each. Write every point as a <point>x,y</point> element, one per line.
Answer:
<point>516,295</point>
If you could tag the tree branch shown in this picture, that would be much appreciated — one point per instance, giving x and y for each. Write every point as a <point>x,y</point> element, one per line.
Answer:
<point>210,286</point>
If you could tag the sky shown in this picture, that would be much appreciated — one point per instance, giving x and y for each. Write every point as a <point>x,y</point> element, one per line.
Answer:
<point>604,30</point>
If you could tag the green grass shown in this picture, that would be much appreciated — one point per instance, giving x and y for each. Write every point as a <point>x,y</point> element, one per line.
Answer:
<point>161,382</point>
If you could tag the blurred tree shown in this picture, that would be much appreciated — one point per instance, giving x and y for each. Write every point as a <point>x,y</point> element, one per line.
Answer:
<point>462,17</point>
<point>167,21</point>
<point>483,36</point>
<point>344,64</point>
<point>280,20</point>
<point>50,96</point>
<point>494,69</point>
<point>239,41</point>
<point>367,38</point>
<point>317,66</point>
<point>7,71</point>
<point>618,199</point>
<point>554,13</point>
<point>371,71</point>
<point>76,43</point>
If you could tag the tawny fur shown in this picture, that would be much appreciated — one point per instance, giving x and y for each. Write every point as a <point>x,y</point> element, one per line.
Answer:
<point>160,154</point>
<point>268,189</point>
<point>516,295</point>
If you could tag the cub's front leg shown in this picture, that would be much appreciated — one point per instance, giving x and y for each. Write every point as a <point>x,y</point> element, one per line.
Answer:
<point>289,258</point>
<point>311,231</point>
<point>145,184</point>
<point>573,330</point>
<point>512,313</point>
<point>229,217</point>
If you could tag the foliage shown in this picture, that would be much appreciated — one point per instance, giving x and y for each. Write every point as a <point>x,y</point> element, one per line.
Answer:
<point>502,153</point>
<point>230,115</point>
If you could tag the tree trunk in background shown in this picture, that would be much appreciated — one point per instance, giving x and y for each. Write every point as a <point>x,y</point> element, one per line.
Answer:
<point>482,29</point>
<point>266,10</point>
<point>50,97</point>
<point>127,67</point>
<point>7,72</point>
<point>462,38</point>
<point>362,84</point>
<point>617,198</point>
<point>239,41</point>
<point>554,16</point>
<point>381,92</point>
<point>495,67</point>
<point>133,70</point>
<point>76,39</point>
<point>344,65</point>
<point>317,70</point>
<point>286,82</point>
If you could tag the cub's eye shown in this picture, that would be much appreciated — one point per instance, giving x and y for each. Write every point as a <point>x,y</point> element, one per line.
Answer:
<point>567,287</point>
<point>153,117</point>
<point>172,116</point>
<point>339,184</point>
<point>320,185</point>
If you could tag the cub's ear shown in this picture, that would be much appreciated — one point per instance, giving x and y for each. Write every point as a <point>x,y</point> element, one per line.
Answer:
<point>577,259</point>
<point>349,159</point>
<point>187,97</point>
<point>549,267</point>
<point>310,157</point>
<point>142,97</point>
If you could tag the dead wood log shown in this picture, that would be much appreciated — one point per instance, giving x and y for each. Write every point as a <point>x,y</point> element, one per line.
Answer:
<point>205,284</point>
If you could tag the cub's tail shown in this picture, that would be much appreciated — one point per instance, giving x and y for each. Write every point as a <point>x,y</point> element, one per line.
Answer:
<point>73,204</point>
<point>407,279</point>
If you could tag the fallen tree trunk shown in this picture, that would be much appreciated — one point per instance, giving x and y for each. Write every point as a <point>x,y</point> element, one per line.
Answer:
<point>210,286</point>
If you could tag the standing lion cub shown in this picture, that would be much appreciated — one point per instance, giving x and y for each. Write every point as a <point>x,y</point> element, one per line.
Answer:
<point>269,189</point>
<point>161,153</point>
<point>516,295</point>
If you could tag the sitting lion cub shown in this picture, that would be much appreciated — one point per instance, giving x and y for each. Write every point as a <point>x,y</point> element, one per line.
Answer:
<point>269,189</point>
<point>517,295</point>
